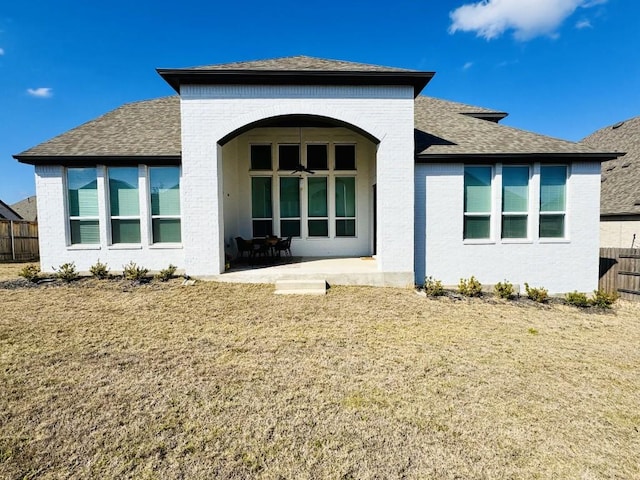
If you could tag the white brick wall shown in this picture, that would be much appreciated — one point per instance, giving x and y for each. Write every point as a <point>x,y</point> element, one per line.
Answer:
<point>209,113</point>
<point>560,266</point>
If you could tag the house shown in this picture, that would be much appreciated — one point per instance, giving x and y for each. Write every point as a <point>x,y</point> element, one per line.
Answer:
<point>426,186</point>
<point>7,213</point>
<point>620,188</point>
<point>27,208</point>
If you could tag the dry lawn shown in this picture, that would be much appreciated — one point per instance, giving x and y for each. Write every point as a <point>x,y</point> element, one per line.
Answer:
<point>106,380</point>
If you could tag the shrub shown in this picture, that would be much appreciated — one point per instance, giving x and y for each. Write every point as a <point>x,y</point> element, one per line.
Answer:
<point>504,290</point>
<point>131,271</point>
<point>99,270</point>
<point>539,294</point>
<point>166,273</point>
<point>433,287</point>
<point>67,272</point>
<point>31,272</point>
<point>577,299</point>
<point>603,299</point>
<point>470,287</point>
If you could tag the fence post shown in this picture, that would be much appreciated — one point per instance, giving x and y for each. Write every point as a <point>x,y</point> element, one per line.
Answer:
<point>13,242</point>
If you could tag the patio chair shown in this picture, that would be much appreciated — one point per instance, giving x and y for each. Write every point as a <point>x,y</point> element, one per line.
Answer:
<point>283,245</point>
<point>244,246</point>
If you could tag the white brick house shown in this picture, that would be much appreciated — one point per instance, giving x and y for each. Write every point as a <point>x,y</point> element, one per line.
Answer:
<point>428,187</point>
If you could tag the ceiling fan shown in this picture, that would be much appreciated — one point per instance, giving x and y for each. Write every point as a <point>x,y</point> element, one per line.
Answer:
<point>301,168</point>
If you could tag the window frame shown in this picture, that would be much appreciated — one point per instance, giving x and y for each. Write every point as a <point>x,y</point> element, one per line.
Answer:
<point>488,214</point>
<point>355,207</point>
<point>81,218</point>
<point>112,217</point>
<point>152,217</point>
<point>549,213</point>
<point>527,213</point>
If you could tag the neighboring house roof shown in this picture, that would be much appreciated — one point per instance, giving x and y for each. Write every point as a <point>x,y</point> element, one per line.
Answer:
<point>27,208</point>
<point>7,213</point>
<point>620,188</point>
<point>299,70</point>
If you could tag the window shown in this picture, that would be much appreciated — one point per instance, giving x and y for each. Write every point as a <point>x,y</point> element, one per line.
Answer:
<point>125,205</point>
<point>515,201</point>
<point>345,206</point>
<point>288,157</point>
<point>345,157</point>
<point>165,204</point>
<point>318,222</point>
<point>553,181</point>
<point>289,206</point>
<point>317,157</point>
<point>82,187</point>
<point>261,206</point>
<point>260,157</point>
<point>477,203</point>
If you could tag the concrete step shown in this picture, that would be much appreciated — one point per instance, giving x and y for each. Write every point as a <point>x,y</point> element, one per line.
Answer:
<point>301,287</point>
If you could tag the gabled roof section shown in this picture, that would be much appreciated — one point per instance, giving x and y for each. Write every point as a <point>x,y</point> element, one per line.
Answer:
<point>147,130</point>
<point>620,188</point>
<point>446,131</point>
<point>27,208</point>
<point>431,103</point>
<point>298,70</point>
<point>7,213</point>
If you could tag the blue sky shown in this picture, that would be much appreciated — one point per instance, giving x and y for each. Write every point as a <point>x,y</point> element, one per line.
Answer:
<point>560,67</point>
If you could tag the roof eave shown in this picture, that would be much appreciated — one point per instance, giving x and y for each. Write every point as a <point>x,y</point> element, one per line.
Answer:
<point>492,157</point>
<point>177,77</point>
<point>89,160</point>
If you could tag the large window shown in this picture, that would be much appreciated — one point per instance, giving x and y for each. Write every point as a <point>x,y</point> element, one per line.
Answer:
<point>261,157</point>
<point>345,206</point>
<point>290,206</point>
<point>318,222</point>
<point>124,201</point>
<point>515,202</point>
<point>261,206</point>
<point>477,203</point>
<point>553,181</point>
<point>83,206</point>
<point>165,204</point>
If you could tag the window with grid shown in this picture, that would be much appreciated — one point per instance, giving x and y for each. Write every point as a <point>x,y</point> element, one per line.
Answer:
<point>289,206</point>
<point>82,196</point>
<point>477,203</point>
<point>553,186</point>
<point>515,201</point>
<point>261,206</point>
<point>124,200</point>
<point>345,197</point>
<point>318,221</point>
<point>164,184</point>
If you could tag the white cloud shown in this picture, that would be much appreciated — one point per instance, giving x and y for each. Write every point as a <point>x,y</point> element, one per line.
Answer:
<point>583,24</point>
<point>41,92</point>
<point>1,51</point>
<point>467,66</point>
<point>527,18</point>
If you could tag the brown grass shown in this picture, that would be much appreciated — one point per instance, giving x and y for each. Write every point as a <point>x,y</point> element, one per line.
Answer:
<point>106,380</point>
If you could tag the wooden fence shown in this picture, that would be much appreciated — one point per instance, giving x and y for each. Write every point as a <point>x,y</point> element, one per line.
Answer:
<point>18,241</point>
<point>620,272</point>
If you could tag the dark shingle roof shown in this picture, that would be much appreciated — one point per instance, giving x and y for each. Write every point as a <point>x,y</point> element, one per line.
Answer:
<point>449,129</point>
<point>620,188</point>
<point>302,63</point>
<point>7,213</point>
<point>27,208</point>
<point>151,129</point>
<point>146,128</point>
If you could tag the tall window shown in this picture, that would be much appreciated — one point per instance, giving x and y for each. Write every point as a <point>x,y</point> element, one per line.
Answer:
<point>125,204</point>
<point>477,203</point>
<point>83,205</point>
<point>289,206</point>
<point>345,206</point>
<point>515,201</point>
<point>260,157</point>
<point>318,222</point>
<point>261,206</point>
<point>165,204</point>
<point>553,182</point>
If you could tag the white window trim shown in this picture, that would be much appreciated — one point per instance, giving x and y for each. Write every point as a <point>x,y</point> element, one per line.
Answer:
<point>565,238</point>
<point>149,209</point>
<point>527,213</point>
<point>112,245</point>
<point>70,218</point>
<point>496,202</point>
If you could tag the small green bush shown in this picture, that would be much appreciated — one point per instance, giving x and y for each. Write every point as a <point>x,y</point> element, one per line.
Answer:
<point>603,299</point>
<point>133,272</point>
<point>577,299</point>
<point>99,270</point>
<point>31,272</point>
<point>67,272</point>
<point>539,294</point>
<point>433,287</point>
<point>504,290</point>
<point>166,273</point>
<point>470,287</point>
